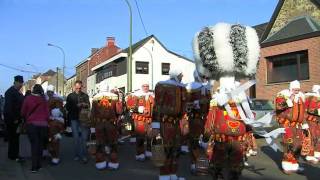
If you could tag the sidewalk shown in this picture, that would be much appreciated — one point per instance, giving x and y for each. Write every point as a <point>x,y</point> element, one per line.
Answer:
<point>9,170</point>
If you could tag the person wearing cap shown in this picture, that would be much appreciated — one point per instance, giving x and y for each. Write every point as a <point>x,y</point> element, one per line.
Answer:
<point>313,120</point>
<point>170,97</point>
<point>104,117</point>
<point>290,114</point>
<point>12,116</point>
<point>142,117</point>
<point>198,100</point>
<point>56,123</point>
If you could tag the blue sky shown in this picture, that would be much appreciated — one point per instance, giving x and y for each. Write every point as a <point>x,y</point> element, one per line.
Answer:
<point>26,26</point>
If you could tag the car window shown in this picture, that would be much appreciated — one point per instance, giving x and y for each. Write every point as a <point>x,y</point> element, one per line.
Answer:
<point>261,105</point>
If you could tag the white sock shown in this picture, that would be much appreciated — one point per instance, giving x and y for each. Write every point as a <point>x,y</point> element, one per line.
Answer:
<point>113,165</point>
<point>148,154</point>
<point>55,160</point>
<point>101,165</point>
<point>164,177</point>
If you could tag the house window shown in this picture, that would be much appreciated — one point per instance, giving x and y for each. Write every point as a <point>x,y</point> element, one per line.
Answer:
<point>165,67</point>
<point>288,67</point>
<point>142,67</point>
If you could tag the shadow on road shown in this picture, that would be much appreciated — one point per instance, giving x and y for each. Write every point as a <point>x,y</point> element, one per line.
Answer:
<point>255,170</point>
<point>276,156</point>
<point>311,172</point>
<point>262,178</point>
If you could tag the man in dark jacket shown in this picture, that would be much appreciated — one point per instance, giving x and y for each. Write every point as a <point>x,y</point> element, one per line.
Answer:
<point>12,117</point>
<point>80,131</point>
<point>2,125</point>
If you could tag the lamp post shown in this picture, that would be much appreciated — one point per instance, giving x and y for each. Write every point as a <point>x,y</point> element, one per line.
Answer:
<point>33,66</point>
<point>150,53</point>
<point>63,66</point>
<point>129,61</point>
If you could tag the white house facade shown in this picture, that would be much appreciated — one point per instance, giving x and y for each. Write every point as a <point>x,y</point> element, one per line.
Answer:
<point>91,85</point>
<point>151,62</point>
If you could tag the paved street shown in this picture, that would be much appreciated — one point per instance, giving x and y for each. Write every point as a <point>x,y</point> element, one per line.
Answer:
<point>265,167</point>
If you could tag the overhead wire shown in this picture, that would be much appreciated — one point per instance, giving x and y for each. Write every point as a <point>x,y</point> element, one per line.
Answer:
<point>17,69</point>
<point>144,27</point>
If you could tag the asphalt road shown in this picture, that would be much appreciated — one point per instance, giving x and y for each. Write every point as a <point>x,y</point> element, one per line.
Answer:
<point>265,166</point>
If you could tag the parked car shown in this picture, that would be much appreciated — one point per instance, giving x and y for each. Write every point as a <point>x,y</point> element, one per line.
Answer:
<point>261,107</point>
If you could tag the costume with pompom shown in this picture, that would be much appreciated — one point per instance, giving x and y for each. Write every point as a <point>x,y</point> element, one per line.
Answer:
<point>197,106</point>
<point>141,104</point>
<point>313,119</point>
<point>227,53</point>
<point>290,113</point>
<point>56,126</point>
<point>170,97</point>
<point>106,108</point>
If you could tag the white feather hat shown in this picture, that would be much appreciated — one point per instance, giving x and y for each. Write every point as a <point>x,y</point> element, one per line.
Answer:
<point>294,85</point>
<point>226,49</point>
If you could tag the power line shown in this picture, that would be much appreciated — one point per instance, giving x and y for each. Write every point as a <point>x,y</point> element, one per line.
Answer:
<point>17,69</point>
<point>144,27</point>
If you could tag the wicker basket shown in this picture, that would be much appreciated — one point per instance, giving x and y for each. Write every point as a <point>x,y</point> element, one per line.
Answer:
<point>92,149</point>
<point>202,165</point>
<point>158,154</point>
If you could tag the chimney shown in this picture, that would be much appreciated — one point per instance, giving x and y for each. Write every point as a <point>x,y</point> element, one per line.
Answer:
<point>94,50</point>
<point>110,42</point>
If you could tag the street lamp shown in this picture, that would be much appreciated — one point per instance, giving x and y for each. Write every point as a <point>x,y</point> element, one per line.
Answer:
<point>34,67</point>
<point>63,66</point>
<point>150,53</point>
<point>129,62</point>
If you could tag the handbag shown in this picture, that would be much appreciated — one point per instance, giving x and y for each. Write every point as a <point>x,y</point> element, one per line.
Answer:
<point>158,153</point>
<point>21,129</point>
<point>84,115</point>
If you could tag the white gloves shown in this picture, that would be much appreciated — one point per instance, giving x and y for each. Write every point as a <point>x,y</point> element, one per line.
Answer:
<point>222,99</point>
<point>289,103</point>
<point>141,109</point>
<point>57,136</point>
<point>305,126</point>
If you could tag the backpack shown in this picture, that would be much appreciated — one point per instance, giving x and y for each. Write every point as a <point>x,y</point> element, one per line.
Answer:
<point>169,99</point>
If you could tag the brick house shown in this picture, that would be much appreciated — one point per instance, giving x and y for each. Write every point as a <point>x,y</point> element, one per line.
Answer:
<point>82,72</point>
<point>290,48</point>
<point>97,56</point>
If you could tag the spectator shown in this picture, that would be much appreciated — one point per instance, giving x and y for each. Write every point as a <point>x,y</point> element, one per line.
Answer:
<point>75,102</point>
<point>35,110</point>
<point>28,93</point>
<point>1,104</point>
<point>56,123</point>
<point>2,126</point>
<point>12,117</point>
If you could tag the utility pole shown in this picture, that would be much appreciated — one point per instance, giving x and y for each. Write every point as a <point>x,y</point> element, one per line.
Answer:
<point>129,59</point>
<point>57,83</point>
<point>63,65</point>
